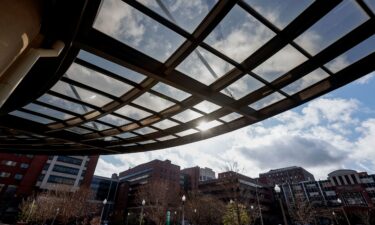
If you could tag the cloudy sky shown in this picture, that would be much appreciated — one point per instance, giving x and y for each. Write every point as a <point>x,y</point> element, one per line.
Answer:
<point>332,132</point>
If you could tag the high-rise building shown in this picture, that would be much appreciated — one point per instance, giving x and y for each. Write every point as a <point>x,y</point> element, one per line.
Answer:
<point>291,174</point>
<point>67,170</point>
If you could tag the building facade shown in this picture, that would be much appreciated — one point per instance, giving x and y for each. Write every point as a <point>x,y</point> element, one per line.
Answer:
<point>291,174</point>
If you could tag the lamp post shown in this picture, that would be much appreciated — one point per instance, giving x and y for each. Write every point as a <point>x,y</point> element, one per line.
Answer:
<point>343,211</point>
<point>127,218</point>
<point>183,211</point>
<point>334,216</point>
<point>278,191</point>
<point>54,218</point>
<point>101,215</point>
<point>195,216</point>
<point>143,204</point>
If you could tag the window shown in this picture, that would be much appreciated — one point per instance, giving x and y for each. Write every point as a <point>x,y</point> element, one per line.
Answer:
<point>68,159</point>
<point>61,180</point>
<point>4,174</point>
<point>18,176</point>
<point>8,163</point>
<point>65,169</point>
<point>24,165</point>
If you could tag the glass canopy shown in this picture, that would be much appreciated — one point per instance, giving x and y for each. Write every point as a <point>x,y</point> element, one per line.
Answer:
<point>154,74</point>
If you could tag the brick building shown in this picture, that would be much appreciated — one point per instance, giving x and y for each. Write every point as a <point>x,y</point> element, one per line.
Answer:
<point>291,174</point>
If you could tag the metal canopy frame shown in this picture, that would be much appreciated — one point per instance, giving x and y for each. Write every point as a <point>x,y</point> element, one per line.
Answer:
<point>20,134</point>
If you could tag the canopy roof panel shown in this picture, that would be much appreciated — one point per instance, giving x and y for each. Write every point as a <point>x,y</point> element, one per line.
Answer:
<point>150,74</point>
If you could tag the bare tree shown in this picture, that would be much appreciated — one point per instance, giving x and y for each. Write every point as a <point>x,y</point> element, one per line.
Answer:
<point>233,213</point>
<point>302,211</point>
<point>158,199</point>
<point>366,215</point>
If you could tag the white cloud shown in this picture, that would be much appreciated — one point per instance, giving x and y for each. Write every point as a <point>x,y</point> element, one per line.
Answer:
<point>366,79</point>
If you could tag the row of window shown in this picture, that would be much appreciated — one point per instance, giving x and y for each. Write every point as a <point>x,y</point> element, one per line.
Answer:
<point>68,159</point>
<point>13,163</point>
<point>17,176</point>
<point>60,180</point>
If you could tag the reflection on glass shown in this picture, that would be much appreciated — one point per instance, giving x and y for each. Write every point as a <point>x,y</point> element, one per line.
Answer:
<point>187,115</point>
<point>126,24</point>
<point>111,67</point>
<point>164,124</point>
<point>114,120</point>
<point>128,145</point>
<point>340,21</point>
<point>280,12</point>
<point>78,130</point>
<point>186,14</point>
<point>243,86</point>
<point>31,117</point>
<point>166,138</point>
<point>204,66</point>
<point>353,55</point>
<point>266,101</point>
<point>305,82</point>
<point>96,126</point>
<point>126,135</point>
<point>280,63</point>
<point>153,102</point>
<point>186,132</point>
<point>80,94</point>
<point>132,112</point>
<point>371,5</point>
<point>109,139</point>
<point>64,104</point>
<point>170,91</point>
<point>48,111</point>
<point>239,35</point>
<point>208,125</point>
<point>206,106</point>
<point>145,130</point>
<point>97,80</point>
<point>230,117</point>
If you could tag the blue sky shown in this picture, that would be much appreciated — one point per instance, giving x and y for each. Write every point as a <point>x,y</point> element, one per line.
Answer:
<point>334,131</point>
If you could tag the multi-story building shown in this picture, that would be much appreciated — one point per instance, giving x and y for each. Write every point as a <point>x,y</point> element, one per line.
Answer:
<point>21,175</point>
<point>193,175</point>
<point>291,174</point>
<point>73,171</point>
<point>206,174</point>
<point>153,172</point>
<point>235,186</point>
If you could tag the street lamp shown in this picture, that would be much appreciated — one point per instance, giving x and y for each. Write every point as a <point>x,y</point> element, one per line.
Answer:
<point>143,204</point>
<point>101,215</point>
<point>278,191</point>
<point>127,218</point>
<point>183,212</point>
<point>54,218</point>
<point>343,210</point>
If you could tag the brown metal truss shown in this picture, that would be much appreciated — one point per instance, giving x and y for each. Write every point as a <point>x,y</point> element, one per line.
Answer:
<point>102,137</point>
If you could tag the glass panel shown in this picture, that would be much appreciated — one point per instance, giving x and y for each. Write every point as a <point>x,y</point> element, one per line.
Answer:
<point>280,12</point>
<point>109,139</point>
<point>186,14</point>
<point>145,130</point>
<point>96,126</point>
<point>306,81</point>
<point>208,125</point>
<point>266,101</point>
<point>243,86</point>
<point>353,55</point>
<point>78,130</point>
<point>64,104</point>
<point>153,102</point>
<point>166,138</point>
<point>170,91</point>
<point>187,115</point>
<point>230,117</point>
<point>204,66</point>
<point>114,120</point>
<point>97,80</point>
<point>126,135</point>
<point>112,67</point>
<point>146,142</point>
<point>342,19</point>
<point>280,63</point>
<point>126,24</point>
<point>31,117</point>
<point>239,35</point>
<point>48,111</point>
<point>128,145</point>
<point>164,124</point>
<point>80,94</point>
<point>132,112</point>
<point>206,106</point>
<point>187,132</point>
<point>371,4</point>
